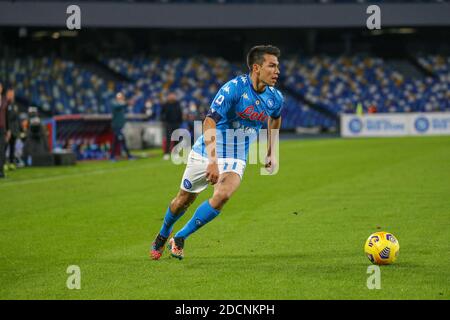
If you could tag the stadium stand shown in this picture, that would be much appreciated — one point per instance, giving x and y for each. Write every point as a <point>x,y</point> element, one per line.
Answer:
<point>196,80</point>
<point>337,84</point>
<point>57,86</point>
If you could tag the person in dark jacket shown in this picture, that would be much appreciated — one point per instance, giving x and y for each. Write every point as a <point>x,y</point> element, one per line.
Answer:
<point>118,121</point>
<point>13,125</point>
<point>172,117</point>
<point>36,142</point>
<point>3,131</point>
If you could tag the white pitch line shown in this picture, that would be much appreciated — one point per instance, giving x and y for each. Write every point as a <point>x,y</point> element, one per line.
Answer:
<point>74,175</point>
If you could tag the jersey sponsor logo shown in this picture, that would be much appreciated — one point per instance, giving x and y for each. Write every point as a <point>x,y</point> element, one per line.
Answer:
<point>251,114</point>
<point>249,130</point>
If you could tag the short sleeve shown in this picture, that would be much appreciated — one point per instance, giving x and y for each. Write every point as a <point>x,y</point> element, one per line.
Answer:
<point>226,98</point>
<point>275,112</point>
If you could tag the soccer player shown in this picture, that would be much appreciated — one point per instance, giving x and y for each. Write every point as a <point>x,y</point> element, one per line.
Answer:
<point>243,104</point>
<point>118,120</point>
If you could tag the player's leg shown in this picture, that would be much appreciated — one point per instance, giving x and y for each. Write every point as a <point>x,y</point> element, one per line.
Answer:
<point>123,144</point>
<point>12,152</point>
<point>228,183</point>
<point>113,146</point>
<point>223,190</point>
<point>175,211</point>
<point>192,183</point>
<point>2,153</point>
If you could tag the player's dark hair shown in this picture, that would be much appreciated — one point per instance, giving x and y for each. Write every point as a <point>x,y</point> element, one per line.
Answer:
<point>256,54</point>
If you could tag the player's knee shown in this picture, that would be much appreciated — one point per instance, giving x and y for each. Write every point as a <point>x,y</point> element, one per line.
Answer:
<point>222,197</point>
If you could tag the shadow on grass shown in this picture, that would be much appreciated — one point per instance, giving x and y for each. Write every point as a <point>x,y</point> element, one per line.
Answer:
<point>396,265</point>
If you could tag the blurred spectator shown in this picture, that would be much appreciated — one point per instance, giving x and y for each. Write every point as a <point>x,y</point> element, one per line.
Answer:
<point>359,109</point>
<point>191,115</point>
<point>13,125</point>
<point>36,141</point>
<point>149,112</point>
<point>172,117</point>
<point>3,130</point>
<point>119,108</point>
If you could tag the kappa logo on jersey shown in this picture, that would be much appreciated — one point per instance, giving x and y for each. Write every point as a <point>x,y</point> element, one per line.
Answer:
<point>250,114</point>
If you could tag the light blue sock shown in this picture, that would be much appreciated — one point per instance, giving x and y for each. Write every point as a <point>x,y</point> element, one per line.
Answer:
<point>204,214</point>
<point>169,221</point>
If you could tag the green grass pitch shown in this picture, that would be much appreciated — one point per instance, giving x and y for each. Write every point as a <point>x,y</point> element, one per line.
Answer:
<point>296,235</point>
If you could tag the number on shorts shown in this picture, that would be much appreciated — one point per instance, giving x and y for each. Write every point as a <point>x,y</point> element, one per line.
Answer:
<point>226,166</point>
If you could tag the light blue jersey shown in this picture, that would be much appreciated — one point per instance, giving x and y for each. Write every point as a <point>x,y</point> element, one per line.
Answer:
<point>239,112</point>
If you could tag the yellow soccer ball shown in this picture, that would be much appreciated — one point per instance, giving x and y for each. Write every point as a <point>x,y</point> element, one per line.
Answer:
<point>382,248</point>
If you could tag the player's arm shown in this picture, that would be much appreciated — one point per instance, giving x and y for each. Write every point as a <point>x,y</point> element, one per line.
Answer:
<point>273,126</point>
<point>209,133</point>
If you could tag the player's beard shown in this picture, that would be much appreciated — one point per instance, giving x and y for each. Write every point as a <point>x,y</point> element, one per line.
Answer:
<point>266,83</point>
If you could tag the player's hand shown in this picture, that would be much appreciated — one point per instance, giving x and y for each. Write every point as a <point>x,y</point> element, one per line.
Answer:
<point>8,135</point>
<point>271,164</point>
<point>212,173</point>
